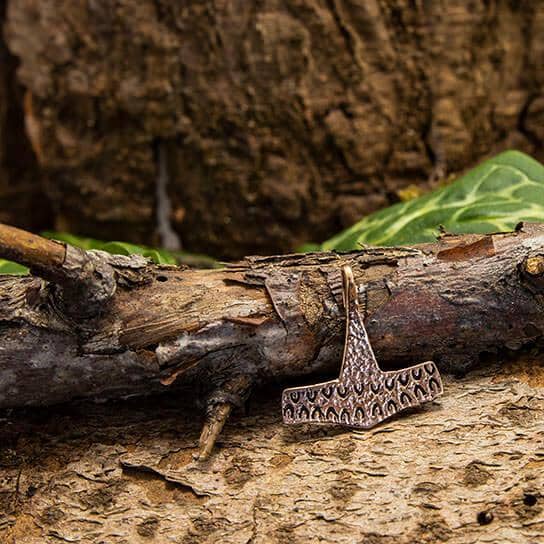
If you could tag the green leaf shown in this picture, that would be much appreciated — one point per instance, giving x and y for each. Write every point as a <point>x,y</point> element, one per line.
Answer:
<point>7,267</point>
<point>308,248</point>
<point>158,256</point>
<point>493,197</point>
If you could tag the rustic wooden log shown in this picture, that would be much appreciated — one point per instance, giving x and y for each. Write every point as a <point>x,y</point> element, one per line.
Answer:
<point>265,318</point>
<point>124,472</point>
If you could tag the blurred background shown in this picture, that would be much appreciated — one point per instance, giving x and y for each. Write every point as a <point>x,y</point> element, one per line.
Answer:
<point>236,127</point>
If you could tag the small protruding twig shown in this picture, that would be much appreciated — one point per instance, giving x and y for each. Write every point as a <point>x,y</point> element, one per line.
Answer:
<point>233,392</point>
<point>215,421</point>
<point>45,257</point>
<point>84,279</point>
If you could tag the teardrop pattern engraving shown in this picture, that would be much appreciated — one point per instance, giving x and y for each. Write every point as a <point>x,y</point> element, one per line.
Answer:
<point>363,395</point>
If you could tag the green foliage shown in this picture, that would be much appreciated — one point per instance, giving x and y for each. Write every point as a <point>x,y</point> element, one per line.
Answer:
<point>492,197</point>
<point>158,256</point>
<point>14,269</point>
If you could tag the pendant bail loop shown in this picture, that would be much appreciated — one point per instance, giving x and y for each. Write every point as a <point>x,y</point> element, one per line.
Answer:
<point>363,395</point>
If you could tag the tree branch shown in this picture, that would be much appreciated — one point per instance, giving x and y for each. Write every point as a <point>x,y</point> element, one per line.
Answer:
<point>45,257</point>
<point>85,280</point>
<point>264,318</point>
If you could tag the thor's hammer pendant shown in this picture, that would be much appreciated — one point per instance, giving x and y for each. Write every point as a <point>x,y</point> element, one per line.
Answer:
<point>363,395</point>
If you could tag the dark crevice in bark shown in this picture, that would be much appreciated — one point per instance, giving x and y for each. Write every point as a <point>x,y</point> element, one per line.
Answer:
<point>20,178</point>
<point>344,31</point>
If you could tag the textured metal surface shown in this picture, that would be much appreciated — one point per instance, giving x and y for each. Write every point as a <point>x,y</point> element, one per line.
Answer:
<point>363,395</point>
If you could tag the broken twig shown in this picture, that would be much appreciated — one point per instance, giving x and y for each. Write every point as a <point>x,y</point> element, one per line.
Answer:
<point>102,326</point>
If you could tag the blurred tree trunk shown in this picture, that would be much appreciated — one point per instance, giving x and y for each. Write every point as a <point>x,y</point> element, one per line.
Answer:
<point>278,122</point>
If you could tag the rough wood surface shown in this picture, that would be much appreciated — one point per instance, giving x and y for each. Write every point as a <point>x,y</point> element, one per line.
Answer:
<point>468,469</point>
<point>266,318</point>
<point>110,326</point>
<point>279,121</point>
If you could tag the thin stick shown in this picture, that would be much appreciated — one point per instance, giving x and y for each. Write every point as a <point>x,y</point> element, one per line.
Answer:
<point>86,280</point>
<point>215,421</point>
<point>40,254</point>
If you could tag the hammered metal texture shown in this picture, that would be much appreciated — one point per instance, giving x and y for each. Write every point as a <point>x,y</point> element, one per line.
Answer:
<point>363,395</point>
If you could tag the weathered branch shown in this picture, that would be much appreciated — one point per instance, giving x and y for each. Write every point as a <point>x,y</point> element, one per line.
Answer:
<point>84,280</point>
<point>263,318</point>
<point>45,257</point>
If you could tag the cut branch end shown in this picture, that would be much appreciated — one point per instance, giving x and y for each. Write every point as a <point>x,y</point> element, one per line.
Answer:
<point>84,279</point>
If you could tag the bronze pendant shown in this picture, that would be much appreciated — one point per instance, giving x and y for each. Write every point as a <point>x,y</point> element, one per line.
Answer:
<point>363,395</point>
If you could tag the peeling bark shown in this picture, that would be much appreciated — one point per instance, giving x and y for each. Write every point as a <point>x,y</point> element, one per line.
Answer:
<point>469,469</point>
<point>268,318</point>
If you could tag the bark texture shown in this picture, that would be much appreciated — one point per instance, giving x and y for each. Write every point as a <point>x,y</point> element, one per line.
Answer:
<point>265,318</point>
<point>469,469</point>
<point>279,122</point>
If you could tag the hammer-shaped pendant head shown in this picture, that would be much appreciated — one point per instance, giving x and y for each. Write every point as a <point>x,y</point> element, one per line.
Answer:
<point>363,395</point>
